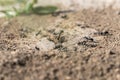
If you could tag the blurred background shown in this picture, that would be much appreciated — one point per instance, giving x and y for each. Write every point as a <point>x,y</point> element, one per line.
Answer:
<point>82,3</point>
<point>71,3</point>
<point>64,4</point>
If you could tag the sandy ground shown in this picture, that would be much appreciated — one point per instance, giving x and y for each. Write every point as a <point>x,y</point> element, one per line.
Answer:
<point>83,45</point>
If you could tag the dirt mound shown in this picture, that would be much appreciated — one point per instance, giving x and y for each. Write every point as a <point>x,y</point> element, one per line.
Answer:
<point>81,45</point>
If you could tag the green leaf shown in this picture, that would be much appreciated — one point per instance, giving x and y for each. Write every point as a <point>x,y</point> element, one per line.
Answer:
<point>28,7</point>
<point>8,15</point>
<point>44,10</point>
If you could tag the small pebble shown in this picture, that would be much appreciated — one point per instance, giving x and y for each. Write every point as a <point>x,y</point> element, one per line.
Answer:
<point>45,45</point>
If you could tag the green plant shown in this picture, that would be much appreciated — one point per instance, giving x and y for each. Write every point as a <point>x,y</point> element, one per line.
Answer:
<point>27,7</point>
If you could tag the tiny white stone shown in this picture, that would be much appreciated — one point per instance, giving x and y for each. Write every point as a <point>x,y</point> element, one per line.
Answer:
<point>45,45</point>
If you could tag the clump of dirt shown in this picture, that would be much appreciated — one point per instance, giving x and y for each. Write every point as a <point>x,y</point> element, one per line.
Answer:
<point>82,45</point>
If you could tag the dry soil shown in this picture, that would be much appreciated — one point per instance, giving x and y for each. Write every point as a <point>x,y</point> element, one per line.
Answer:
<point>81,45</point>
